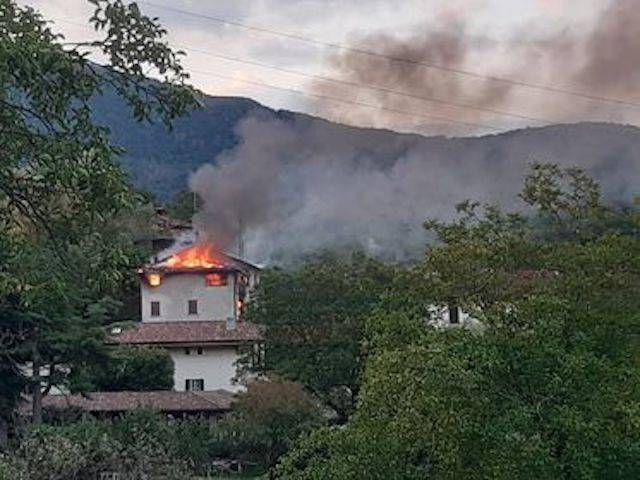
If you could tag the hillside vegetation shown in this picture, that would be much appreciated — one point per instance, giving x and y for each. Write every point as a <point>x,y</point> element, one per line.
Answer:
<point>160,161</point>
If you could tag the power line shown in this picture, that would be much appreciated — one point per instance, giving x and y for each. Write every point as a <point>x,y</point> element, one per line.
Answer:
<point>438,118</point>
<point>361,51</point>
<point>349,102</point>
<point>348,83</point>
<point>362,85</point>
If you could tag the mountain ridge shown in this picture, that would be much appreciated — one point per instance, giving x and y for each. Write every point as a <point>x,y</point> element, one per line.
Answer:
<point>161,161</point>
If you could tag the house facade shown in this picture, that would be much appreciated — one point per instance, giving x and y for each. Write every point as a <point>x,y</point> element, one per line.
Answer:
<point>192,305</point>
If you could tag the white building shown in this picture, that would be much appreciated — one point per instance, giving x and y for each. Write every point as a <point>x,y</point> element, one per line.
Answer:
<point>451,316</point>
<point>192,304</point>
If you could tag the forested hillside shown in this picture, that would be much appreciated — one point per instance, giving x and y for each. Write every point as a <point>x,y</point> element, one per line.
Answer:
<point>161,161</point>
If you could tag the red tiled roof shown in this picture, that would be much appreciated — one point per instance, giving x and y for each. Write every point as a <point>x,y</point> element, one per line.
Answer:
<point>147,333</point>
<point>163,401</point>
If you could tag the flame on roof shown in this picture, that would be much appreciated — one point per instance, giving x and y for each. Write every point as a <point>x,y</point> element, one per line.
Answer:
<point>198,256</point>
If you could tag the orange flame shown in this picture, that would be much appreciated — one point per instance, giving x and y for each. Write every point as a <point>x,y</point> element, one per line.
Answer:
<point>198,256</point>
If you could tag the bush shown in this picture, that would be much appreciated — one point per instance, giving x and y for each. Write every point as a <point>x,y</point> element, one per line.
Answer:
<point>139,446</point>
<point>267,419</point>
<point>349,454</point>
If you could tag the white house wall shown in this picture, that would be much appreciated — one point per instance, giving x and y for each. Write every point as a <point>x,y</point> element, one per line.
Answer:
<point>175,291</point>
<point>440,318</point>
<point>216,366</point>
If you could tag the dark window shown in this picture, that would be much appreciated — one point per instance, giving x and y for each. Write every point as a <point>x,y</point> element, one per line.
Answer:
<point>194,384</point>
<point>155,309</point>
<point>193,307</point>
<point>454,315</point>
<point>200,351</point>
<point>187,351</point>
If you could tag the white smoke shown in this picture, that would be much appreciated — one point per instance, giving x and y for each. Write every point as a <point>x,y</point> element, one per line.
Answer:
<point>296,187</point>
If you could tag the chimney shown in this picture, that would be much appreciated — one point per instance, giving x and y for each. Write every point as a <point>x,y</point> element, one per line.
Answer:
<point>240,240</point>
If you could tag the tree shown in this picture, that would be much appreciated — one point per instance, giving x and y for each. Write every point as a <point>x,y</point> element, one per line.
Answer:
<point>140,444</point>
<point>268,418</point>
<point>547,388</point>
<point>314,319</point>
<point>61,187</point>
<point>128,368</point>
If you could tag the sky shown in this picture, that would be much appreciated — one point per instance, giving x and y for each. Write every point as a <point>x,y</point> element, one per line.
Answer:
<point>289,188</point>
<point>524,40</point>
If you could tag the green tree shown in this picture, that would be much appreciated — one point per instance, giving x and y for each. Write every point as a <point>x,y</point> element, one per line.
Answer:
<point>314,324</point>
<point>548,387</point>
<point>140,444</point>
<point>267,419</point>
<point>61,186</point>
<point>128,368</point>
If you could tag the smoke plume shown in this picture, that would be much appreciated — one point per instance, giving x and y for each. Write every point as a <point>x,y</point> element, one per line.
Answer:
<point>294,186</point>
<point>604,62</point>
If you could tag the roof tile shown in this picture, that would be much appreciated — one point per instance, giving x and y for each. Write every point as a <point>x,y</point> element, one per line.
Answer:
<point>149,333</point>
<point>164,401</point>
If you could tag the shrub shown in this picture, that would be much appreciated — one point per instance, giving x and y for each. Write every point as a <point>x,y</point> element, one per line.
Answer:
<point>137,447</point>
<point>267,419</point>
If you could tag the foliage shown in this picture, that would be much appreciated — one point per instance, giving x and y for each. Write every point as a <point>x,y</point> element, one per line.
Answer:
<point>138,446</point>
<point>375,453</point>
<point>267,419</point>
<point>547,388</point>
<point>314,319</point>
<point>62,191</point>
<point>128,368</point>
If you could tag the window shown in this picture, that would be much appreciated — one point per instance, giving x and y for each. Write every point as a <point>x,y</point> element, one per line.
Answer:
<point>200,351</point>
<point>155,309</point>
<point>187,351</point>
<point>215,280</point>
<point>454,315</point>
<point>193,307</point>
<point>154,279</point>
<point>194,384</point>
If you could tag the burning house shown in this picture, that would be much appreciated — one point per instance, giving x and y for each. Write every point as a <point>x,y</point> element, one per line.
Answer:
<point>192,304</point>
